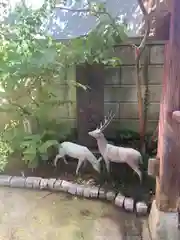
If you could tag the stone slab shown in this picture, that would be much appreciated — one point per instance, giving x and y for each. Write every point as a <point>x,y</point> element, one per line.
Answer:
<point>66,185</point>
<point>80,190</point>
<point>33,182</point>
<point>141,208</point>
<point>162,225</point>
<point>102,193</point>
<point>44,183</point>
<point>94,192</point>
<point>110,195</point>
<point>119,200</point>
<point>129,204</point>
<point>129,111</point>
<point>111,107</point>
<point>87,192</point>
<point>72,189</point>
<point>127,93</point>
<point>5,180</point>
<point>18,182</point>
<point>157,54</point>
<point>51,183</point>
<point>57,185</point>
<point>112,75</point>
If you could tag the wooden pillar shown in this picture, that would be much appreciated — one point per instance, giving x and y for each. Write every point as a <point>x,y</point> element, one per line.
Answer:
<point>168,182</point>
<point>90,103</point>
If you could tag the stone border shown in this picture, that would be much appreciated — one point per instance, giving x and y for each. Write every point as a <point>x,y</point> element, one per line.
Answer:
<point>57,185</point>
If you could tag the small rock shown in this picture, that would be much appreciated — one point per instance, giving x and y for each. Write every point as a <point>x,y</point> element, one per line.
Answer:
<point>94,192</point>
<point>5,180</point>
<point>102,193</point>
<point>44,183</point>
<point>51,183</point>
<point>141,208</point>
<point>72,189</point>
<point>110,195</point>
<point>129,204</point>
<point>119,200</point>
<point>18,182</point>
<point>65,185</point>
<point>80,190</point>
<point>57,185</point>
<point>87,192</point>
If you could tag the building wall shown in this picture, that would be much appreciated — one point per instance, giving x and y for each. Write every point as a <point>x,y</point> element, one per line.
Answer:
<point>120,92</point>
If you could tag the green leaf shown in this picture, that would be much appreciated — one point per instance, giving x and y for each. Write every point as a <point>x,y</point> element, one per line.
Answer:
<point>44,147</point>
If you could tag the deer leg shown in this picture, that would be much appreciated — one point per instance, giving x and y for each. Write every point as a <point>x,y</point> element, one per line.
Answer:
<point>65,161</point>
<point>80,162</point>
<point>84,164</point>
<point>107,162</point>
<point>136,169</point>
<point>58,156</point>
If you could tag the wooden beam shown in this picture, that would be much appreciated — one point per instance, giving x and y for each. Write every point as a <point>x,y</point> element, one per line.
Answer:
<point>168,182</point>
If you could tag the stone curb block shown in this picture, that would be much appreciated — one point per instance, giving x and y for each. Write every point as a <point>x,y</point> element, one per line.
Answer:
<point>57,185</point>
<point>94,192</point>
<point>44,183</point>
<point>5,180</point>
<point>119,200</point>
<point>141,208</point>
<point>110,195</point>
<point>65,185</point>
<point>72,189</point>
<point>51,183</point>
<point>36,183</point>
<point>80,190</point>
<point>17,182</point>
<point>33,182</point>
<point>87,192</point>
<point>102,193</point>
<point>129,204</point>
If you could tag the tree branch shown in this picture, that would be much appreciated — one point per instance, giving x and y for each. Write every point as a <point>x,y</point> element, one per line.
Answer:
<point>85,10</point>
<point>138,52</point>
<point>141,5</point>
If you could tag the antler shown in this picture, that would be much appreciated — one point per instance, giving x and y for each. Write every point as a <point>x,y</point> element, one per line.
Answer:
<point>107,121</point>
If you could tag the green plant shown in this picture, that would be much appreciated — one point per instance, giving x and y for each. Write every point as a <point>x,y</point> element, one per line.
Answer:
<point>32,67</point>
<point>5,151</point>
<point>35,150</point>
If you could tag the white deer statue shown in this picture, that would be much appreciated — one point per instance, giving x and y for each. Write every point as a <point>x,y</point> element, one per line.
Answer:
<point>79,152</point>
<point>113,153</point>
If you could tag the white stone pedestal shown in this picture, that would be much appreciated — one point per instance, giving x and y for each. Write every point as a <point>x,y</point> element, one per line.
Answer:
<point>162,225</point>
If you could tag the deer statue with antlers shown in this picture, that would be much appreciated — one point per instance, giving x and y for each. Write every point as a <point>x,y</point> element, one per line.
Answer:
<point>113,153</point>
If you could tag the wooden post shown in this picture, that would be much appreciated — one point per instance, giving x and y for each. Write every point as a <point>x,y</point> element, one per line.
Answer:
<point>168,182</point>
<point>90,103</point>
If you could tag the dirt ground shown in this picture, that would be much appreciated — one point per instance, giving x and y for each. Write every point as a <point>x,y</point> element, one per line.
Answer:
<point>28,214</point>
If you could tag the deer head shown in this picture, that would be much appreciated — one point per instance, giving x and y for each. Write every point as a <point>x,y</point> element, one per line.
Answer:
<point>98,132</point>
